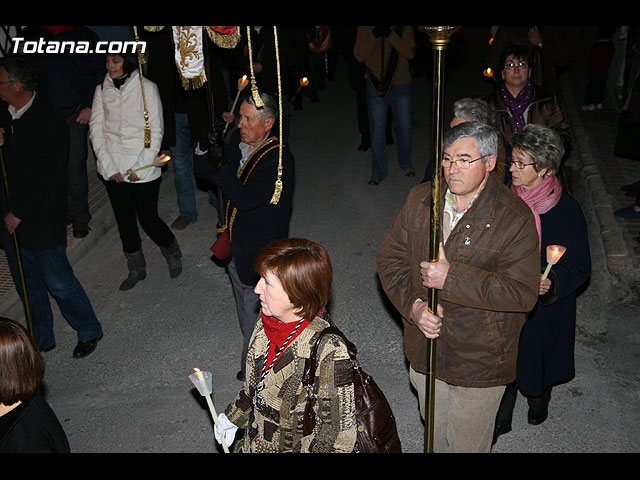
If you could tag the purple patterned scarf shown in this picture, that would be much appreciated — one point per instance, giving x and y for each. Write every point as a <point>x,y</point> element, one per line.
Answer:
<point>518,105</point>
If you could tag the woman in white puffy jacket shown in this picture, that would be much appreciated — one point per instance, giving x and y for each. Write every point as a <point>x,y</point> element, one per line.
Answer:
<point>117,130</point>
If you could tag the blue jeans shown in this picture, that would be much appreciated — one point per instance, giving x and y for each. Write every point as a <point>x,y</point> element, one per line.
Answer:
<point>399,98</point>
<point>182,168</point>
<point>182,159</point>
<point>47,271</point>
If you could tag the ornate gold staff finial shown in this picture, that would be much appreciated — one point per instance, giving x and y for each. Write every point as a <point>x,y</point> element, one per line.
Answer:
<point>439,36</point>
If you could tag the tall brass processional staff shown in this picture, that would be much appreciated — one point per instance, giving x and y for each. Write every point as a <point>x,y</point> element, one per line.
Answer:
<point>439,37</point>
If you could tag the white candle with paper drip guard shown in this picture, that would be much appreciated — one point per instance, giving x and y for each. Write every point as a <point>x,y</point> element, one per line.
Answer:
<point>554,253</point>
<point>242,82</point>
<point>158,162</point>
<point>202,381</point>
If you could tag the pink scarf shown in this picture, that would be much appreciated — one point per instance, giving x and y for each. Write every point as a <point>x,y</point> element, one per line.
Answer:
<point>541,199</point>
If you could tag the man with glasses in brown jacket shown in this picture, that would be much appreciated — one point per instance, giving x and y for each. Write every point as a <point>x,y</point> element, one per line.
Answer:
<point>487,276</point>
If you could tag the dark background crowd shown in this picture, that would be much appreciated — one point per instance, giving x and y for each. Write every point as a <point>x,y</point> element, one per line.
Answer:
<point>313,53</point>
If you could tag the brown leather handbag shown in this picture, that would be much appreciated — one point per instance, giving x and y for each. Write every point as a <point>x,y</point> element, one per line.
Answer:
<point>376,425</point>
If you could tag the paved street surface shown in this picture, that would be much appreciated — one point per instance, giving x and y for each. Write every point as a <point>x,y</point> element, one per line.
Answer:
<point>133,393</point>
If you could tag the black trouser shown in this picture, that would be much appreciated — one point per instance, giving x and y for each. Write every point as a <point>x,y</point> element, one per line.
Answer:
<point>77,181</point>
<point>133,202</point>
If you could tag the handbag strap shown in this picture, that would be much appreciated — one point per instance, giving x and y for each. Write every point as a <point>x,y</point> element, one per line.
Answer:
<point>311,362</point>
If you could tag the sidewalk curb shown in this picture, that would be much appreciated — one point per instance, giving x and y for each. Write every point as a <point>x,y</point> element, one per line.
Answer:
<point>618,255</point>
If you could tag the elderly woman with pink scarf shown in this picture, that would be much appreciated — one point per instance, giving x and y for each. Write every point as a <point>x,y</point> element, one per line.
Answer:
<point>546,347</point>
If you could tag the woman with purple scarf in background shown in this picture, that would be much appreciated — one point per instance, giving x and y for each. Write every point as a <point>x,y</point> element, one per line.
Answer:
<point>518,101</point>
<point>546,347</point>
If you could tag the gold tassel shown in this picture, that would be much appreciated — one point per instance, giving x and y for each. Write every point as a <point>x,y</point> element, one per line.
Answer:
<point>278,187</point>
<point>194,83</point>
<point>254,88</point>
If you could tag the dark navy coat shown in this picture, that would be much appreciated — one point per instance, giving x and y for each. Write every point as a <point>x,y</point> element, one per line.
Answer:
<point>546,349</point>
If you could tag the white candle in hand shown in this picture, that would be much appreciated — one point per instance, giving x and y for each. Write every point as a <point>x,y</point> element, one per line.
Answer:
<point>554,253</point>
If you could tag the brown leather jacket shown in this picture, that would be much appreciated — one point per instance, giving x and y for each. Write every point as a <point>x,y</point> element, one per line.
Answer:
<point>544,109</point>
<point>492,283</point>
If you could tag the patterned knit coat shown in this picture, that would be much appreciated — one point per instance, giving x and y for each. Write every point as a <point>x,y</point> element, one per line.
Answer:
<point>276,424</point>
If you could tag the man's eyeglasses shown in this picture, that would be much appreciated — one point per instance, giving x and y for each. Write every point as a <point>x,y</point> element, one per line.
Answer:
<point>512,65</point>
<point>520,165</point>
<point>461,162</point>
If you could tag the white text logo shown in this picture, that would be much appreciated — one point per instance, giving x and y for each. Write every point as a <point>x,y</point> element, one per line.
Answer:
<point>66,46</point>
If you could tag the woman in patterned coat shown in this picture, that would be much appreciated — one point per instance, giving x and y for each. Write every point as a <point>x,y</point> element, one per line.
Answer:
<point>294,288</point>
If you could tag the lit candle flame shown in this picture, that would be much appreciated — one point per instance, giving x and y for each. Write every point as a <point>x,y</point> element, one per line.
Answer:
<point>242,82</point>
<point>488,72</point>
<point>304,81</point>
<point>554,253</point>
<point>161,160</point>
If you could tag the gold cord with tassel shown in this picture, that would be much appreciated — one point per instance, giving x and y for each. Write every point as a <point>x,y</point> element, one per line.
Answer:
<point>278,187</point>
<point>147,126</point>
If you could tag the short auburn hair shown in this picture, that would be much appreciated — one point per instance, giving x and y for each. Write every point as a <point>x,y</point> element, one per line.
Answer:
<point>21,364</point>
<point>304,269</point>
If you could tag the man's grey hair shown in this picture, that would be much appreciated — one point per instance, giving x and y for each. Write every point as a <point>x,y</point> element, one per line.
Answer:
<point>474,110</point>
<point>23,71</point>
<point>542,144</point>
<point>270,108</point>
<point>486,137</point>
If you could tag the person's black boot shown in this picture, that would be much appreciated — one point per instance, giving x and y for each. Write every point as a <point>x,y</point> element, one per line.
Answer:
<point>173,255</point>
<point>538,408</point>
<point>137,270</point>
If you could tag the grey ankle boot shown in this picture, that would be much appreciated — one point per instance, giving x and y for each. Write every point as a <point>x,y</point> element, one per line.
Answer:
<point>137,270</point>
<point>173,255</point>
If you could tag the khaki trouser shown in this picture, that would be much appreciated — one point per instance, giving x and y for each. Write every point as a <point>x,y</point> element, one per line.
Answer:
<point>463,417</point>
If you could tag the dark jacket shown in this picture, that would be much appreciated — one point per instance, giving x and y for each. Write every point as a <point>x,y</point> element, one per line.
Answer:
<point>544,109</point>
<point>257,221</point>
<point>32,427</point>
<point>493,281</point>
<point>68,80</point>
<point>35,154</point>
<point>546,351</point>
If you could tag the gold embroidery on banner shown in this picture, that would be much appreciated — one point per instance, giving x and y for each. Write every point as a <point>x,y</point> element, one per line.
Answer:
<point>187,48</point>
<point>222,40</point>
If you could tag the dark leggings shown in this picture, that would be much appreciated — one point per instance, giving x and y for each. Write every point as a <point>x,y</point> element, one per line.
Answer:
<point>133,202</point>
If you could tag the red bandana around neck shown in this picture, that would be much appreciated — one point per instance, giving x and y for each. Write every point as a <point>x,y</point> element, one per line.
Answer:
<point>277,332</point>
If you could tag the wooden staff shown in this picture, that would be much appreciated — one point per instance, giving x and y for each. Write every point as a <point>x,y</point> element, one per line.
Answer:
<point>23,283</point>
<point>439,37</point>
